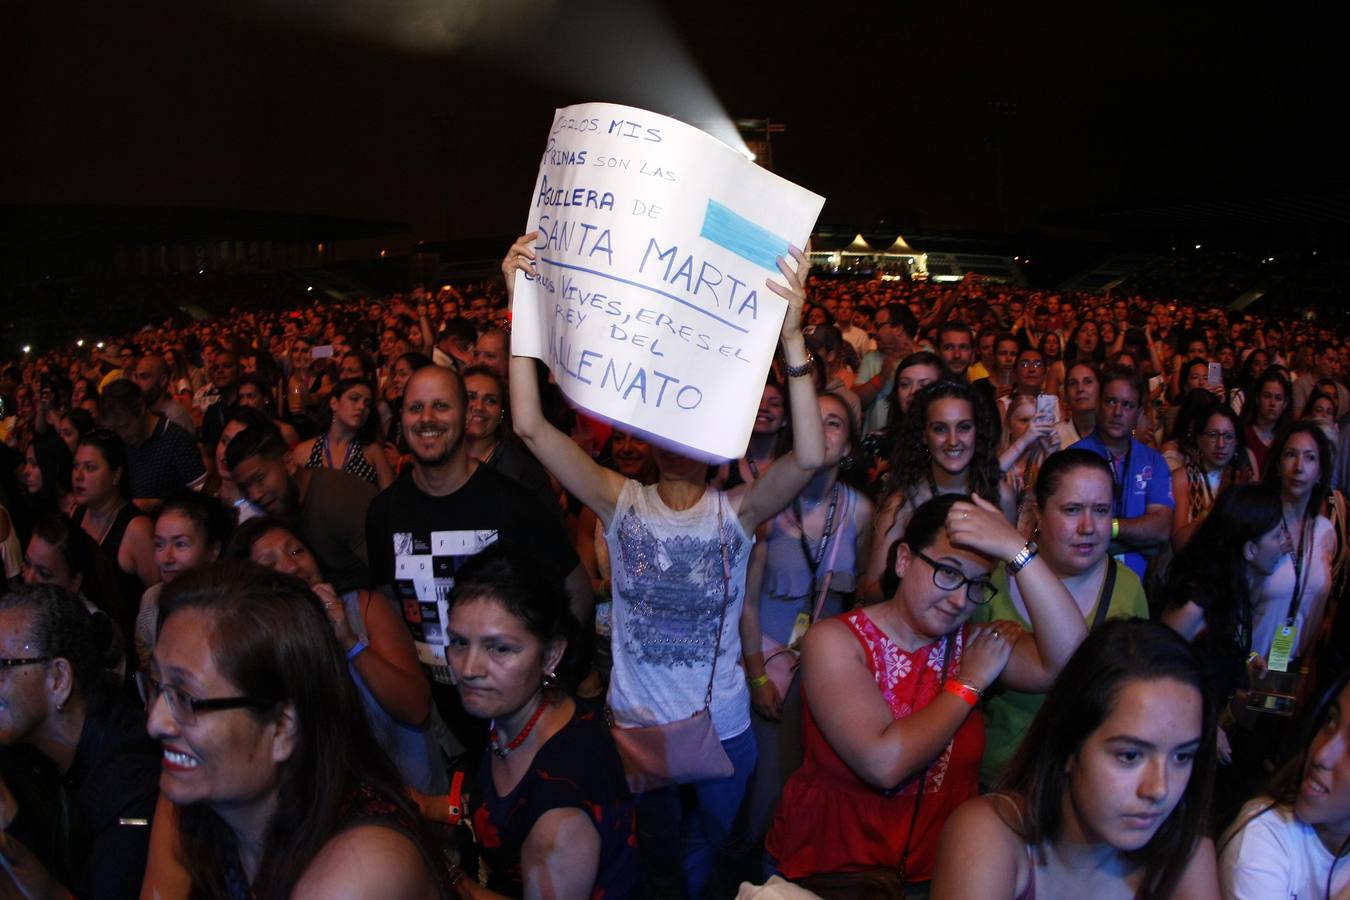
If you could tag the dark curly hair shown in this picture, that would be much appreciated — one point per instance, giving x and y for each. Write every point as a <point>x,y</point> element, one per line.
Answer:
<point>910,460</point>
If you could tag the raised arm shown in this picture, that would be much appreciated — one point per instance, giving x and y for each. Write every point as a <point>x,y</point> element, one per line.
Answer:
<point>774,490</point>
<point>592,483</point>
<point>1058,624</point>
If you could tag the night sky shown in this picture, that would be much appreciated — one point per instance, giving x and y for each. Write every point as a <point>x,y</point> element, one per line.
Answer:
<point>891,112</point>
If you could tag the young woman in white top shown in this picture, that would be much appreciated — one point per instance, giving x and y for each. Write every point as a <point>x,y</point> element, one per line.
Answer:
<point>1292,842</point>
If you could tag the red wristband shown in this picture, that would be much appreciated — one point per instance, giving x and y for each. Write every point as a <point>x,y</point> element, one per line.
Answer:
<point>455,800</point>
<point>962,690</point>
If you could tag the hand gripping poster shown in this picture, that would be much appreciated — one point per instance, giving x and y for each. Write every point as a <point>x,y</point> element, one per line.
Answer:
<point>655,242</point>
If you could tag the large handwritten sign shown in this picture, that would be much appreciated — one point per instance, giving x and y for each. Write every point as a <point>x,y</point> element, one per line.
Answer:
<point>655,241</point>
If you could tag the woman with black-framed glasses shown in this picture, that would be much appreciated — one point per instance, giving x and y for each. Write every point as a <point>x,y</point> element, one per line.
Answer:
<point>278,786</point>
<point>891,745</point>
<point>56,698</point>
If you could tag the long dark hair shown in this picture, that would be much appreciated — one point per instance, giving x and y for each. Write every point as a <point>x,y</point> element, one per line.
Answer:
<point>368,430</point>
<point>114,453</point>
<point>910,461</point>
<point>1119,652</point>
<point>1325,457</point>
<point>1251,404</point>
<point>270,638</point>
<point>1284,784</point>
<point>1212,571</point>
<point>56,464</point>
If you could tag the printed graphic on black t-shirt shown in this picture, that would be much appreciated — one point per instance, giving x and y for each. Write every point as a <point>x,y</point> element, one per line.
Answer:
<point>424,572</point>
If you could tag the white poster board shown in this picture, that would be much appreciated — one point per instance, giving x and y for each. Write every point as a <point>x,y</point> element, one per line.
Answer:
<point>655,242</point>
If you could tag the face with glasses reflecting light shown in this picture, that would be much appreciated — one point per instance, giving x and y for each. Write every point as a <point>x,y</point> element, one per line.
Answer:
<point>945,586</point>
<point>1030,372</point>
<point>1217,442</point>
<point>228,752</point>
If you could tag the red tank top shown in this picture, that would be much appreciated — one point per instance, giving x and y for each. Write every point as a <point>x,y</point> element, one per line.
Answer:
<point>829,820</point>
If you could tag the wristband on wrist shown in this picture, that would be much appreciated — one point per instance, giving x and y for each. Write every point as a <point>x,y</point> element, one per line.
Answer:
<point>1115,529</point>
<point>804,369</point>
<point>454,801</point>
<point>1023,558</point>
<point>757,681</point>
<point>967,692</point>
<point>357,649</point>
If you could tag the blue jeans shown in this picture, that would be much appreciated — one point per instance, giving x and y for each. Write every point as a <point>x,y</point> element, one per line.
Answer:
<point>684,829</point>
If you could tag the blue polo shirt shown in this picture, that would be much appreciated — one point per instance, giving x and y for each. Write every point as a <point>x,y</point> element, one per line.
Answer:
<point>1141,479</point>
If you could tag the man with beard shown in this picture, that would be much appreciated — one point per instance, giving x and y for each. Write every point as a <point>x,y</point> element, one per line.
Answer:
<point>325,507</point>
<point>152,377</point>
<point>447,508</point>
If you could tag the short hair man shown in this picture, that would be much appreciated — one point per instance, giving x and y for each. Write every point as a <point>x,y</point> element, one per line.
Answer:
<point>896,329</point>
<point>421,528</point>
<point>163,459</point>
<point>1142,506</point>
<point>151,375</point>
<point>326,507</point>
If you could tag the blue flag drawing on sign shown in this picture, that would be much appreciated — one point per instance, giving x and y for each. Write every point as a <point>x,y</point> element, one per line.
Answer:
<point>749,241</point>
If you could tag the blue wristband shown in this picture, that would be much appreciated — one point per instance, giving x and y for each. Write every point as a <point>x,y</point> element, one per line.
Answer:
<point>357,649</point>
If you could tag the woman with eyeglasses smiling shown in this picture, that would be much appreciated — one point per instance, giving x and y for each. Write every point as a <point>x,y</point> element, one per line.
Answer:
<point>56,699</point>
<point>892,747</point>
<point>278,786</point>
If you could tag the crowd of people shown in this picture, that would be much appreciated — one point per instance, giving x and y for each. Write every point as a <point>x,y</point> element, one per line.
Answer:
<point>1014,593</point>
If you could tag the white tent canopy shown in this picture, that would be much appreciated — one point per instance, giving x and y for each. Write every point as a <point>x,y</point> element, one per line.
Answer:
<point>859,245</point>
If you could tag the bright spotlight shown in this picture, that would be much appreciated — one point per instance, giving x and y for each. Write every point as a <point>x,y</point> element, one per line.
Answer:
<point>310,288</point>
<point>99,345</point>
<point>80,342</point>
<point>26,348</point>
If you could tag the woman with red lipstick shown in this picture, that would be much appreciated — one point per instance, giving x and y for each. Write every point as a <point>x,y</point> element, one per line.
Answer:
<point>948,445</point>
<point>279,787</point>
<point>1291,843</point>
<point>1107,795</point>
<point>1073,497</point>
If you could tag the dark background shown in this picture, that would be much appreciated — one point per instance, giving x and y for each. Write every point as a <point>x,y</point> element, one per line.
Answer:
<point>979,116</point>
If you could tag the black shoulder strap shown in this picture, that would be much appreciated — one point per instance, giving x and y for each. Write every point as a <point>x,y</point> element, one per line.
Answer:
<point>1104,601</point>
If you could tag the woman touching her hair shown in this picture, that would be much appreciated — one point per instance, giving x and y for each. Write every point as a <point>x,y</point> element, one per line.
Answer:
<point>893,744</point>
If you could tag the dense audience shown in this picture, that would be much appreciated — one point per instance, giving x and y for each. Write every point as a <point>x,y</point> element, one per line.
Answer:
<point>1014,593</point>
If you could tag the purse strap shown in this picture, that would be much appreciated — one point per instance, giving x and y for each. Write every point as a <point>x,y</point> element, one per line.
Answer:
<point>923,779</point>
<point>726,600</point>
<point>1104,600</point>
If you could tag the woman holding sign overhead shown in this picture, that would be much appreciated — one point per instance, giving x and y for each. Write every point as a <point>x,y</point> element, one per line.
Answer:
<point>678,556</point>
